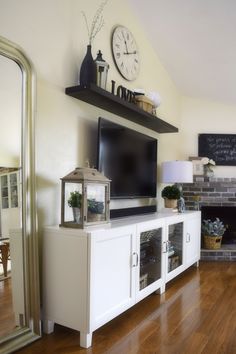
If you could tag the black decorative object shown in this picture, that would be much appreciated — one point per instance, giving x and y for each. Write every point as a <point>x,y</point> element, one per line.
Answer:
<point>88,69</point>
<point>122,92</point>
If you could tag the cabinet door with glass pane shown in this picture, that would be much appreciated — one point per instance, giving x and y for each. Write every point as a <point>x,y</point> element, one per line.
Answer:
<point>149,258</point>
<point>174,249</point>
<point>9,190</point>
<point>4,192</point>
<point>13,185</point>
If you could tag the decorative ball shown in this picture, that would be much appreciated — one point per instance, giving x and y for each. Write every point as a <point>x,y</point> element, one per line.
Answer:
<point>155,97</point>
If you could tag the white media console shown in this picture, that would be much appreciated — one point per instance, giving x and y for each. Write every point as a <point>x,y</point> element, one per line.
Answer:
<point>91,276</point>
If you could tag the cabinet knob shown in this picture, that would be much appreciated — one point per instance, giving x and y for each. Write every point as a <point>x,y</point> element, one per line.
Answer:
<point>188,237</point>
<point>165,247</point>
<point>134,263</point>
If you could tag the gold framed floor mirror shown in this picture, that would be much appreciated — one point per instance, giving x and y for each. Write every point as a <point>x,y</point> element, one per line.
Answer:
<point>19,280</point>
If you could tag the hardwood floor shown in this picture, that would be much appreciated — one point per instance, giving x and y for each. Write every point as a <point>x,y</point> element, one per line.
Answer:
<point>197,314</point>
<point>7,319</point>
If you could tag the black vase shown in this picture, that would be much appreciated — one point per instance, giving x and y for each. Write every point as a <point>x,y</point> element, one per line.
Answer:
<point>88,69</point>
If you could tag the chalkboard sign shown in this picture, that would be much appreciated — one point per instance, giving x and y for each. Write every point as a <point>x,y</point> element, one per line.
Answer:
<point>219,147</point>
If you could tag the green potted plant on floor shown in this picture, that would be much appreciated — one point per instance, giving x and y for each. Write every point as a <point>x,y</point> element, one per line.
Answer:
<point>212,233</point>
<point>171,194</point>
<point>75,202</point>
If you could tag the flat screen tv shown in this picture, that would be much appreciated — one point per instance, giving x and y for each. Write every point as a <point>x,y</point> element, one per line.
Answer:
<point>128,158</point>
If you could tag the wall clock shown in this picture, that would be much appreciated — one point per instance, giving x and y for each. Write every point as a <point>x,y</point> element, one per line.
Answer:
<point>125,53</point>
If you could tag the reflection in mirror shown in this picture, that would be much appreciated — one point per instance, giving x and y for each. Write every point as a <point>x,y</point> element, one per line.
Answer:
<point>19,284</point>
<point>12,311</point>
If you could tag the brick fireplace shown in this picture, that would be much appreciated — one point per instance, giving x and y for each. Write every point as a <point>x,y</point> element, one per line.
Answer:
<point>215,197</point>
<point>210,191</point>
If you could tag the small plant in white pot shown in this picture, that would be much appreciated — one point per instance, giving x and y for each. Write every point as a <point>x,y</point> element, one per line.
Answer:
<point>212,232</point>
<point>171,194</point>
<point>75,202</point>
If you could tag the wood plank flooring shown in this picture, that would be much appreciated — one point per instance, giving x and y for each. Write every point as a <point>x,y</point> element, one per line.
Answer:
<point>197,314</point>
<point>7,319</point>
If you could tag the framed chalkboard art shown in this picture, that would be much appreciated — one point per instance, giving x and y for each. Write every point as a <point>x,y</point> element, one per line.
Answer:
<point>219,147</point>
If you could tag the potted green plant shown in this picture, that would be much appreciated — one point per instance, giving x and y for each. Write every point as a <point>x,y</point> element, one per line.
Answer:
<point>95,210</point>
<point>75,202</point>
<point>171,194</point>
<point>212,233</point>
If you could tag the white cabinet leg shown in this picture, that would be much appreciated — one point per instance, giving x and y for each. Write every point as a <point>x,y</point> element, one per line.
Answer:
<point>85,339</point>
<point>48,326</point>
<point>161,290</point>
<point>196,264</point>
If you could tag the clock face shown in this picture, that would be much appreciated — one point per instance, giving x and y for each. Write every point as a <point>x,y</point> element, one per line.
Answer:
<point>125,53</point>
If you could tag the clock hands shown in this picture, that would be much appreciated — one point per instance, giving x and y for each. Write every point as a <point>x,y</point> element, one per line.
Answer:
<point>127,52</point>
<point>125,41</point>
<point>134,52</point>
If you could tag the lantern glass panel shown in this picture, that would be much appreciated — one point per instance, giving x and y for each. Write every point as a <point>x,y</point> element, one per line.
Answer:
<point>73,202</point>
<point>96,202</point>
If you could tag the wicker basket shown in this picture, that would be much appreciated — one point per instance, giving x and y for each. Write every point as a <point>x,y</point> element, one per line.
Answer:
<point>144,103</point>
<point>212,242</point>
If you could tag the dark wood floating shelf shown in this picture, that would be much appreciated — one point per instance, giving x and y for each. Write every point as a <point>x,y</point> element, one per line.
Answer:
<point>98,97</point>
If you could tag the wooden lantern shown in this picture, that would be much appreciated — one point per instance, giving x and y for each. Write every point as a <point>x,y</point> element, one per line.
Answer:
<point>85,198</point>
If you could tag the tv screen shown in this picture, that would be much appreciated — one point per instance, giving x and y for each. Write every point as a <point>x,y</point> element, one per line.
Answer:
<point>128,158</point>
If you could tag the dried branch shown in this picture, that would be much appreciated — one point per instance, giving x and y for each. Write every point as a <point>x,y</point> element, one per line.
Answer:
<point>86,22</point>
<point>97,28</point>
<point>97,23</point>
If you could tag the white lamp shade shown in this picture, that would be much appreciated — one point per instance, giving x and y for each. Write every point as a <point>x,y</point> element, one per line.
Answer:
<point>177,172</point>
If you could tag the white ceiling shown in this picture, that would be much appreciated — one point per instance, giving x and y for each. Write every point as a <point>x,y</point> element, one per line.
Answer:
<point>196,42</point>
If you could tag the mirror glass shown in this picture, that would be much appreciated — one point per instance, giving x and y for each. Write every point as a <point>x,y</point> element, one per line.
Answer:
<point>19,270</point>
<point>12,309</point>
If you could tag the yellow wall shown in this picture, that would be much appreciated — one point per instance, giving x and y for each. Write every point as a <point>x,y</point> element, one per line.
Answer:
<point>10,112</point>
<point>54,36</point>
<point>202,116</point>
